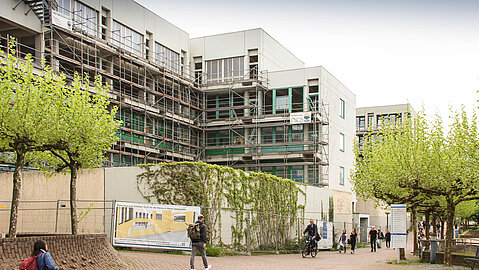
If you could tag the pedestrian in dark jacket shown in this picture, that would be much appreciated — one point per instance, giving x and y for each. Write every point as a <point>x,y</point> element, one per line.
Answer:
<point>388,239</point>
<point>380,238</point>
<point>373,237</point>
<point>353,237</point>
<point>199,244</point>
<point>342,242</point>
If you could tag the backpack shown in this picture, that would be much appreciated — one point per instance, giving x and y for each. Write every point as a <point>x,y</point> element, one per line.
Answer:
<point>30,263</point>
<point>194,231</point>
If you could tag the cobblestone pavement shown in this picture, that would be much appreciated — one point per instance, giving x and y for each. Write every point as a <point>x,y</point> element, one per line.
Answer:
<point>363,259</point>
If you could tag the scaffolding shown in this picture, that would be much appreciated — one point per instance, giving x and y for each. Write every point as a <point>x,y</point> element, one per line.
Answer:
<point>171,114</point>
<point>245,129</point>
<point>158,101</point>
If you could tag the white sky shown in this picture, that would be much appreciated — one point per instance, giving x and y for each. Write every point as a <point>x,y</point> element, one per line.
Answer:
<point>425,52</point>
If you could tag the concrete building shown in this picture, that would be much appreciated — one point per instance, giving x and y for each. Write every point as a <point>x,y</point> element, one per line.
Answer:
<point>239,99</point>
<point>368,123</point>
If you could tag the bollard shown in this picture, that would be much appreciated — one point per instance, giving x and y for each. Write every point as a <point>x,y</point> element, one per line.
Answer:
<point>432,255</point>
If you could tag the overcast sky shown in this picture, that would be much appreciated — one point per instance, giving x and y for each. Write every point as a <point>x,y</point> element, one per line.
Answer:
<point>425,52</point>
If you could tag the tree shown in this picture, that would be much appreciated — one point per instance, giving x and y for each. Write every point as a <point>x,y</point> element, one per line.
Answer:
<point>415,162</point>
<point>85,131</point>
<point>28,110</point>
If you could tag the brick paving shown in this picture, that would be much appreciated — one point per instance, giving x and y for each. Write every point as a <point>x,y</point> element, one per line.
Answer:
<point>363,259</point>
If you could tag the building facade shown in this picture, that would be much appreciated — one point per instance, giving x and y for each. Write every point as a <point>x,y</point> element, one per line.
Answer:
<point>368,123</point>
<point>239,99</point>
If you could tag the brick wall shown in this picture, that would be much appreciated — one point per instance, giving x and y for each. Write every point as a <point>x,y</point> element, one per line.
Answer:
<point>87,251</point>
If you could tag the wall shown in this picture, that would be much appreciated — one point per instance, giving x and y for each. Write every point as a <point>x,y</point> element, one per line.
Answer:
<point>272,55</point>
<point>29,21</point>
<point>40,192</point>
<point>377,214</point>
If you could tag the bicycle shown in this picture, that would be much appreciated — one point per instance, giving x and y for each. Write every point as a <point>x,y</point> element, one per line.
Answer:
<point>309,247</point>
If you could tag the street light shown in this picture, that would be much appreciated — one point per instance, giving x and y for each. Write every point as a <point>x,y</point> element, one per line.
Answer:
<point>387,220</point>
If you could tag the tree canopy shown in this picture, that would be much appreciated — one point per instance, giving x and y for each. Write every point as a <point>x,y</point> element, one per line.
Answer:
<point>421,163</point>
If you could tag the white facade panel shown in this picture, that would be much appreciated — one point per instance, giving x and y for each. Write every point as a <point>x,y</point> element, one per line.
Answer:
<point>276,57</point>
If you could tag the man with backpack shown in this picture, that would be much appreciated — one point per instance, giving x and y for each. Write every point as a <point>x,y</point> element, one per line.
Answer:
<point>197,234</point>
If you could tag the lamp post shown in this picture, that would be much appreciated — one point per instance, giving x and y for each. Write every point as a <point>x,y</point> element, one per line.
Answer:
<point>387,220</point>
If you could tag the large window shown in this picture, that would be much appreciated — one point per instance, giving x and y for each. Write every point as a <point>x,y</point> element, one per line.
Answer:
<point>385,119</point>
<point>342,108</point>
<point>360,122</point>
<point>167,58</point>
<point>127,39</point>
<point>341,142</point>
<point>85,19</point>
<point>341,176</point>
<point>227,69</point>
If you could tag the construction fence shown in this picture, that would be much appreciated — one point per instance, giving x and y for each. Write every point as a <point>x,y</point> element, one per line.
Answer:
<point>235,231</point>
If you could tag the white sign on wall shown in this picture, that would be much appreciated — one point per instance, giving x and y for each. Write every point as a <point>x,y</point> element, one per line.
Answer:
<point>398,225</point>
<point>61,20</point>
<point>300,117</point>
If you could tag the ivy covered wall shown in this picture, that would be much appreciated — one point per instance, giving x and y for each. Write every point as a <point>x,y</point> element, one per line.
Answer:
<point>254,199</point>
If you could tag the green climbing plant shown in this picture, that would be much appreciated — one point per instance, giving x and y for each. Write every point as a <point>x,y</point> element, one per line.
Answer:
<point>261,200</point>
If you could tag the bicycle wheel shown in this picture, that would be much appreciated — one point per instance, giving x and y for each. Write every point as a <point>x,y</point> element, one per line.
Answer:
<point>304,251</point>
<point>314,252</point>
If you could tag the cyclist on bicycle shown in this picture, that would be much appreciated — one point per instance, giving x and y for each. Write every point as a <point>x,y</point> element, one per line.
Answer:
<point>312,231</point>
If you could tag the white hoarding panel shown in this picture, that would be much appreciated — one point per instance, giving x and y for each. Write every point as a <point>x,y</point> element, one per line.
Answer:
<point>153,225</point>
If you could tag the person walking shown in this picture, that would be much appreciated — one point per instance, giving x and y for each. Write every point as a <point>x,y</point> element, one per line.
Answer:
<point>199,244</point>
<point>380,238</point>
<point>388,239</point>
<point>342,242</point>
<point>353,237</point>
<point>373,236</point>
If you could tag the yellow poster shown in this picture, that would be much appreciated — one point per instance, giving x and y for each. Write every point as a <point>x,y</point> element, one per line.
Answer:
<point>153,225</point>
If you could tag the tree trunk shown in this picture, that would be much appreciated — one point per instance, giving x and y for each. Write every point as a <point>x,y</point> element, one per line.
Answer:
<point>449,233</point>
<point>17,186</point>
<point>442,230</point>
<point>434,222</point>
<point>414,230</point>
<point>73,198</point>
<point>427,227</point>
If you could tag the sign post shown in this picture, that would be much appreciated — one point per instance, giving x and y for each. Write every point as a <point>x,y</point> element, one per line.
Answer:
<point>398,227</point>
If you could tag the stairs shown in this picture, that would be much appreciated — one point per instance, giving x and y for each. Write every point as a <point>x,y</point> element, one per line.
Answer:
<point>41,8</point>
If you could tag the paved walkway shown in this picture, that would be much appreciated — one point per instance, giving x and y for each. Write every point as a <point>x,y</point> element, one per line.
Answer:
<point>363,259</point>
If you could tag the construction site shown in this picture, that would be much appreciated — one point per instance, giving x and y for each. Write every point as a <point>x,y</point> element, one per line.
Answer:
<point>179,104</point>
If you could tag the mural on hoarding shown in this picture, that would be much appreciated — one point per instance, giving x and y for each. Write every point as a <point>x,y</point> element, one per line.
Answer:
<point>153,225</point>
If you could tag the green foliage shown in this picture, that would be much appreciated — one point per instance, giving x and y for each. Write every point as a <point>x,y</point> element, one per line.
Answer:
<point>49,123</point>
<point>331,209</point>
<point>85,212</point>
<point>213,251</point>
<point>215,187</point>
<point>418,163</point>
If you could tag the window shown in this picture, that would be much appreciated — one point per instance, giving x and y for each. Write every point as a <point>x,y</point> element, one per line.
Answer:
<point>85,19</point>
<point>342,108</point>
<point>227,69</point>
<point>370,119</point>
<point>167,58</point>
<point>282,102</point>
<point>179,218</point>
<point>127,39</point>
<point>384,119</point>
<point>341,176</point>
<point>341,142</point>
<point>360,122</point>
